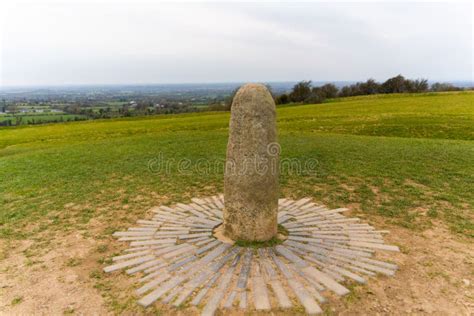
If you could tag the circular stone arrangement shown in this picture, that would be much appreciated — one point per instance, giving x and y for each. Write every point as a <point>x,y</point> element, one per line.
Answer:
<point>182,263</point>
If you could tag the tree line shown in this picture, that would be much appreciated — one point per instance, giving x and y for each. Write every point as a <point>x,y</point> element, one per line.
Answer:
<point>19,120</point>
<point>304,92</point>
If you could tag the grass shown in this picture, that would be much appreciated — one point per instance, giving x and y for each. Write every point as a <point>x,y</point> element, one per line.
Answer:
<point>258,244</point>
<point>17,300</point>
<point>404,158</point>
<point>72,262</point>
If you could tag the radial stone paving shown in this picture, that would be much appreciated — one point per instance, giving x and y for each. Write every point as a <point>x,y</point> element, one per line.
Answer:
<point>181,263</point>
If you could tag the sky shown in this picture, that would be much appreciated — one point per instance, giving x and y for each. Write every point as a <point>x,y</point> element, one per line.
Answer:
<point>133,42</point>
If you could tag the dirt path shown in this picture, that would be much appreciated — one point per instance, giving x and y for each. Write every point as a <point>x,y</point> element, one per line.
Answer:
<point>436,276</point>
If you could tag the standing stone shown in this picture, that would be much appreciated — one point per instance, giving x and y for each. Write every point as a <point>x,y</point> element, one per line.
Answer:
<point>251,177</point>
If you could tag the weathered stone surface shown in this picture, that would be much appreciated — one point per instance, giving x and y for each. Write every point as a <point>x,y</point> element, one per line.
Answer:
<point>251,177</point>
<point>259,290</point>
<point>131,262</point>
<point>282,298</point>
<point>215,300</point>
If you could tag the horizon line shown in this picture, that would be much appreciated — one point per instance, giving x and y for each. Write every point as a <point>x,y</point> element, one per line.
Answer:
<point>2,87</point>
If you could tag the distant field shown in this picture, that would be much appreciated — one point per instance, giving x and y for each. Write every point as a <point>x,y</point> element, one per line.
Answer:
<point>34,107</point>
<point>29,118</point>
<point>406,157</point>
<point>116,103</point>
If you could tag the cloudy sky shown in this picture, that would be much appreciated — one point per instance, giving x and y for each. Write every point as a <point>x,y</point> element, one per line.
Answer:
<point>50,43</point>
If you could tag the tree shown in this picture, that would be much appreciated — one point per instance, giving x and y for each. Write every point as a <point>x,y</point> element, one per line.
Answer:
<point>282,99</point>
<point>396,84</point>
<point>419,85</point>
<point>301,91</point>
<point>346,91</point>
<point>369,87</point>
<point>439,87</point>
<point>329,91</point>
<point>317,96</point>
<point>18,119</point>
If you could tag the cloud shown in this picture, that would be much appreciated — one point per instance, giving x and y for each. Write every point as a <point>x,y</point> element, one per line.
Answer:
<point>58,43</point>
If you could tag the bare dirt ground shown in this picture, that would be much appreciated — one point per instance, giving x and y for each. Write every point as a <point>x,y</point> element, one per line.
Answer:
<point>436,276</point>
<point>51,284</point>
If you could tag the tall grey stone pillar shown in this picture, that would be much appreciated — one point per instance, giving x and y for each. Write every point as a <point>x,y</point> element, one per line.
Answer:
<point>251,187</point>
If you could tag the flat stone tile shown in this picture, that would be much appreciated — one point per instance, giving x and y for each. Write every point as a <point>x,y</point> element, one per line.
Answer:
<point>193,240</point>
<point>308,302</point>
<point>153,263</point>
<point>153,284</point>
<point>136,238</point>
<point>288,254</point>
<point>260,294</point>
<point>182,263</point>
<point>128,263</point>
<point>152,242</point>
<point>135,249</point>
<point>204,241</point>
<point>148,299</point>
<point>151,223</point>
<point>280,294</point>
<point>314,293</point>
<point>198,298</point>
<point>161,251</point>
<point>374,246</point>
<point>349,274</point>
<point>214,302</point>
<point>230,300</point>
<point>171,295</point>
<point>192,236</point>
<point>380,263</point>
<point>244,271</point>
<point>134,233</point>
<point>208,247</point>
<point>131,255</point>
<point>243,302</point>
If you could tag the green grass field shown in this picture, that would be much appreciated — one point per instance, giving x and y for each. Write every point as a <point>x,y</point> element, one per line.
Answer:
<point>407,159</point>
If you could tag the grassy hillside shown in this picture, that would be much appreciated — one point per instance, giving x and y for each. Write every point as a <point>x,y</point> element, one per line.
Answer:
<point>407,159</point>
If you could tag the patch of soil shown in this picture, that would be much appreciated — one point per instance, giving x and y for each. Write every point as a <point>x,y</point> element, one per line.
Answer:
<point>49,284</point>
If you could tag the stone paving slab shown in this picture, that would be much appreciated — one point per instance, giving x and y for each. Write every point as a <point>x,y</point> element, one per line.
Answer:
<point>146,265</point>
<point>215,300</point>
<point>128,263</point>
<point>179,262</point>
